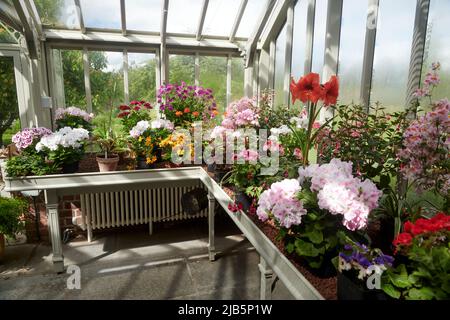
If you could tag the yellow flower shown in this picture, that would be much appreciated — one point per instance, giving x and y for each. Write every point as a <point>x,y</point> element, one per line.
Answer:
<point>140,139</point>
<point>151,160</point>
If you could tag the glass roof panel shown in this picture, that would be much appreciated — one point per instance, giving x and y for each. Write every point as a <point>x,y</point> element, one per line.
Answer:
<point>101,14</point>
<point>220,17</point>
<point>58,14</point>
<point>143,15</point>
<point>252,13</point>
<point>183,16</point>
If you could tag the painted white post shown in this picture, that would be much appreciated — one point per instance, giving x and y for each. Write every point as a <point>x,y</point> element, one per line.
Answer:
<point>211,213</point>
<point>51,203</point>
<point>266,280</point>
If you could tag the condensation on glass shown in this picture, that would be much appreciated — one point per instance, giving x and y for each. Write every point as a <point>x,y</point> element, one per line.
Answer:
<point>280,57</point>
<point>438,45</point>
<point>392,53</point>
<point>353,30</point>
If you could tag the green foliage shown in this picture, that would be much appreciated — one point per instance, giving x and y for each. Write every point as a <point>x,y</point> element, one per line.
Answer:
<point>317,238</point>
<point>108,134</point>
<point>29,165</point>
<point>9,110</point>
<point>426,274</point>
<point>376,135</point>
<point>11,209</point>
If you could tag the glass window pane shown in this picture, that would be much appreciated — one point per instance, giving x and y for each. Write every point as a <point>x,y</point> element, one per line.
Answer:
<point>237,78</point>
<point>253,11</point>
<point>213,75</point>
<point>438,46</point>
<point>142,76</point>
<point>299,43</point>
<point>7,35</point>
<point>392,53</point>
<point>101,14</point>
<point>220,17</point>
<point>143,15</point>
<point>182,68</point>
<point>9,117</point>
<point>183,16</point>
<point>58,14</point>
<point>280,57</point>
<point>351,51</point>
<point>106,75</point>
<point>73,74</point>
<point>320,26</point>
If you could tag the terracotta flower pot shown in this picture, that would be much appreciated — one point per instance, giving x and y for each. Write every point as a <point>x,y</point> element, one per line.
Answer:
<point>2,246</point>
<point>108,164</point>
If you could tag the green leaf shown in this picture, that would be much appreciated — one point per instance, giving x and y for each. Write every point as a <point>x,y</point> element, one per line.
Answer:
<point>400,280</point>
<point>391,291</point>
<point>315,236</point>
<point>423,293</point>
<point>290,247</point>
<point>306,249</point>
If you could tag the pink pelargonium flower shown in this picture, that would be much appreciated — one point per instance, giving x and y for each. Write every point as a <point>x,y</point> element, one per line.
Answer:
<point>248,155</point>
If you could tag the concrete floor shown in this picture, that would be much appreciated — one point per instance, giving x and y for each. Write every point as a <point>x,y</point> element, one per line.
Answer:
<point>130,264</point>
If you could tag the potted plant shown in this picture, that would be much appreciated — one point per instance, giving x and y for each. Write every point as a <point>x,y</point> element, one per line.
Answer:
<point>131,114</point>
<point>147,139</point>
<point>183,105</point>
<point>424,255</point>
<point>11,210</point>
<point>64,148</point>
<point>360,270</point>
<point>73,117</point>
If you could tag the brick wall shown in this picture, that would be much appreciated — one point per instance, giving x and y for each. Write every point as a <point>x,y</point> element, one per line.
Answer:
<point>69,206</point>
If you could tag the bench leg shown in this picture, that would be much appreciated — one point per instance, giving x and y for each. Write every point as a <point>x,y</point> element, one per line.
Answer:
<point>266,280</point>
<point>51,203</point>
<point>211,213</point>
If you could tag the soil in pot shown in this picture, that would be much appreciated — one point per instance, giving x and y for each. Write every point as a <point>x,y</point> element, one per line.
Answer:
<point>107,164</point>
<point>68,168</point>
<point>349,287</point>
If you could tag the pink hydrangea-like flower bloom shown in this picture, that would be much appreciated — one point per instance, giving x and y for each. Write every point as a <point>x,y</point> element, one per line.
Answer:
<point>29,136</point>
<point>242,113</point>
<point>340,193</point>
<point>280,202</point>
<point>61,113</point>
<point>248,155</point>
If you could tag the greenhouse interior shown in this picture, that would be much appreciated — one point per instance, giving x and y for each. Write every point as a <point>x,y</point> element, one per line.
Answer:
<point>225,150</point>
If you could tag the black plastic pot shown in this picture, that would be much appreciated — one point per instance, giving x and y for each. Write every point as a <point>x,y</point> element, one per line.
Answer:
<point>141,164</point>
<point>70,167</point>
<point>244,199</point>
<point>211,167</point>
<point>349,287</point>
<point>158,153</point>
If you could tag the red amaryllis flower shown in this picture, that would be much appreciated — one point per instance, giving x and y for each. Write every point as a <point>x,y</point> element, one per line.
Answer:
<point>330,91</point>
<point>306,89</point>
<point>123,114</point>
<point>124,107</point>
<point>403,239</point>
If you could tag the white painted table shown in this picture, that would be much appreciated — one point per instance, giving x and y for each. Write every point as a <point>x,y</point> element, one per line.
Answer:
<point>54,186</point>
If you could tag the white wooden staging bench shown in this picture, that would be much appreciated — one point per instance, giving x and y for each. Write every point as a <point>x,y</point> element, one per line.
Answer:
<point>54,186</point>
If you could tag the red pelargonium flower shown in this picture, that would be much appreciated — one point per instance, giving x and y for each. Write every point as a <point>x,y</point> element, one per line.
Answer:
<point>137,108</point>
<point>330,91</point>
<point>148,105</point>
<point>439,222</point>
<point>123,114</point>
<point>134,102</point>
<point>124,107</point>
<point>306,89</point>
<point>404,239</point>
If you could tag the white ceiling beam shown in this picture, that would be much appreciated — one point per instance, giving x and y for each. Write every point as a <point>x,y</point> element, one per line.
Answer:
<point>253,40</point>
<point>237,20</point>
<point>275,22</point>
<point>201,22</point>
<point>80,16</point>
<point>36,18</point>
<point>28,29</point>
<point>123,17</point>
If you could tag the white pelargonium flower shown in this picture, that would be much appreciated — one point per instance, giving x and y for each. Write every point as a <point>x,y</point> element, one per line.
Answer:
<point>65,137</point>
